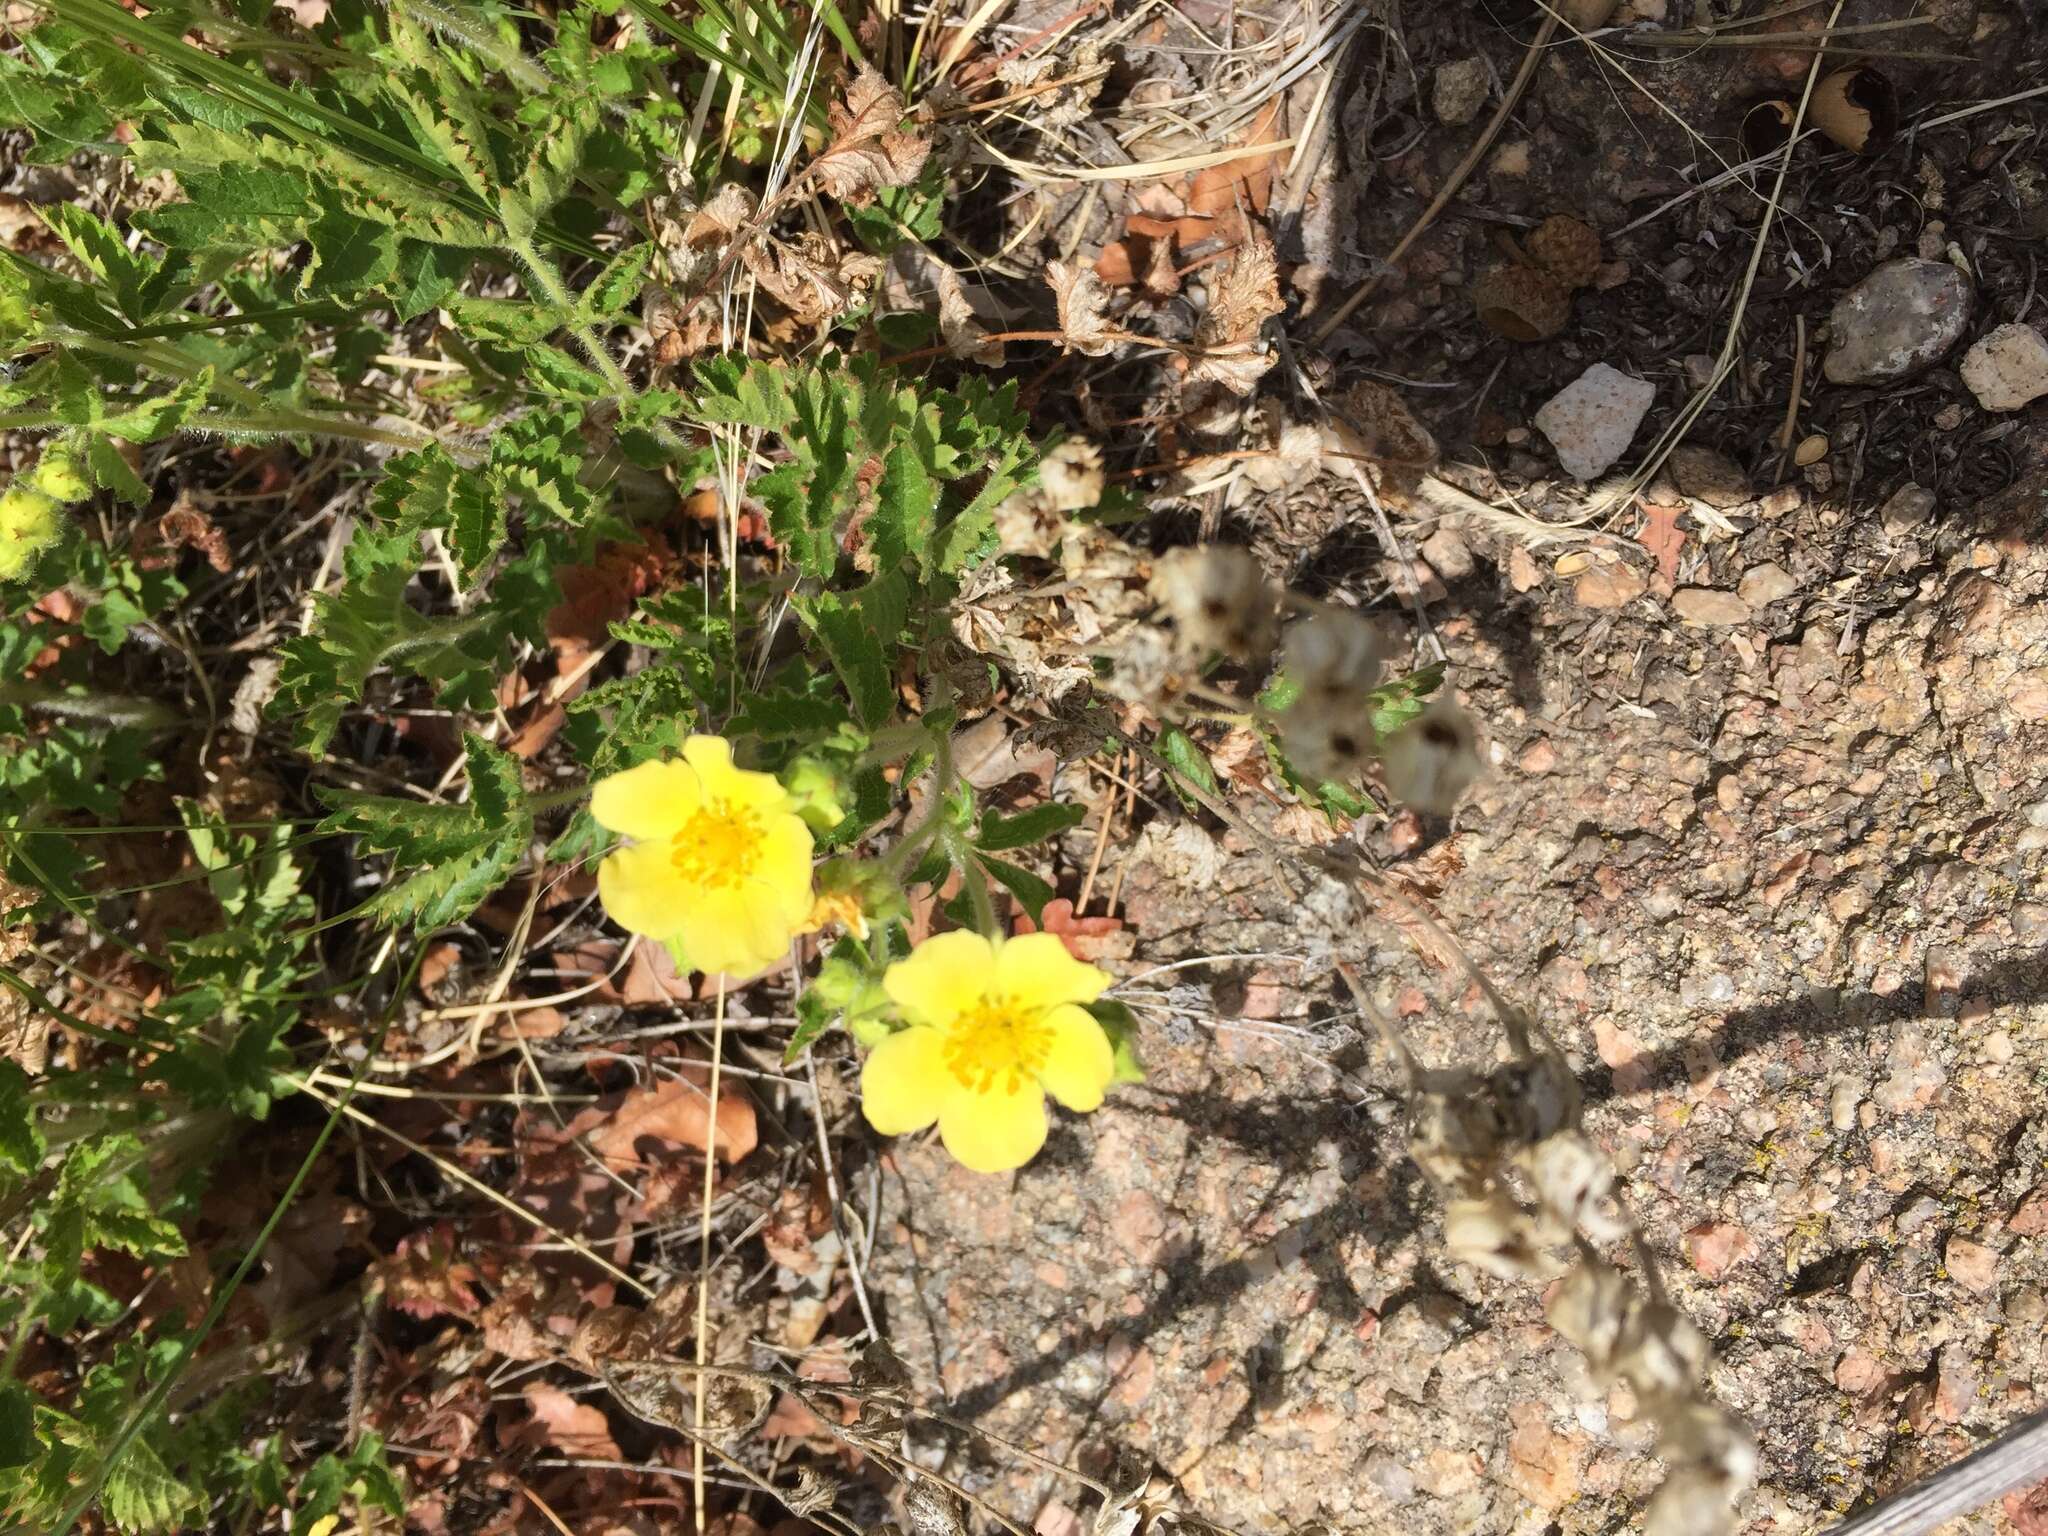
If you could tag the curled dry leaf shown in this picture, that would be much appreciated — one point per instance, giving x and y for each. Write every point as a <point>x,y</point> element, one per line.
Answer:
<point>728,212</point>
<point>1081,297</point>
<point>676,333</point>
<point>869,150</point>
<point>675,1112</point>
<point>185,526</point>
<point>810,279</point>
<point>964,334</point>
<point>1240,302</point>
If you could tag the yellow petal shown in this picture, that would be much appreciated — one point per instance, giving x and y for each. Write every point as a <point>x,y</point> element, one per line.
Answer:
<point>647,802</point>
<point>1079,1064</point>
<point>732,931</point>
<point>782,872</point>
<point>996,1131</point>
<point>905,1081</point>
<point>1037,972</point>
<point>642,891</point>
<point>711,757</point>
<point>944,977</point>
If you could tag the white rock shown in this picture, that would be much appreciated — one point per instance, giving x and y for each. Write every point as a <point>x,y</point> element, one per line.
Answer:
<point>2007,368</point>
<point>1903,316</point>
<point>1590,421</point>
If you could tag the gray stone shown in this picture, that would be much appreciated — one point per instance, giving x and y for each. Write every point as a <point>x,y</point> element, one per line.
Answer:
<point>1460,90</point>
<point>1765,584</point>
<point>1898,320</point>
<point>2007,368</point>
<point>1590,421</point>
<point>1709,605</point>
<point>1910,506</point>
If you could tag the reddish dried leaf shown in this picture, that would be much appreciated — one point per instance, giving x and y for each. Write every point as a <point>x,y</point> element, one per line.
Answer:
<point>1662,538</point>
<point>1083,936</point>
<point>595,595</point>
<point>185,526</point>
<point>2027,1509</point>
<point>572,1427</point>
<point>650,1122</point>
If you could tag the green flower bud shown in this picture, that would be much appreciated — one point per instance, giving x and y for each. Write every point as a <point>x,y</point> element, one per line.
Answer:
<point>819,792</point>
<point>59,475</point>
<point>29,522</point>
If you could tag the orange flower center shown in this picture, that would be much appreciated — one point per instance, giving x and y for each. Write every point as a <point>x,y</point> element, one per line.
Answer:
<point>996,1046</point>
<point>719,845</point>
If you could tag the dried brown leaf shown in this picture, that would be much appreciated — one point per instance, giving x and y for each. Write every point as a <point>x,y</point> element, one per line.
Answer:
<point>810,279</point>
<point>1081,297</point>
<point>869,150</point>
<point>186,526</point>
<point>1663,538</point>
<point>964,334</point>
<point>574,1428</point>
<point>724,215</point>
<point>1240,302</point>
<point>675,1112</point>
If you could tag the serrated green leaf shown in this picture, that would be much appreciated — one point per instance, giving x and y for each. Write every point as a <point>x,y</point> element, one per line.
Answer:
<point>1001,833</point>
<point>1031,892</point>
<point>21,1142</point>
<point>859,634</point>
<point>445,859</point>
<point>141,1496</point>
<point>615,288</point>
<point>1188,760</point>
<point>18,1443</point>
<point>1396,703</point>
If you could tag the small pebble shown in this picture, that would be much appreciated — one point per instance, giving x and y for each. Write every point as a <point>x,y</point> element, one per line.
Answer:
<point>2007,368</point>
<point>1591,420</point>
<point>1460,90</point>
<point>1910,506</point>
<point>1710,476</point>
<point>1707,605</point>
<point>1765,584</point>
<point>1898,320</point>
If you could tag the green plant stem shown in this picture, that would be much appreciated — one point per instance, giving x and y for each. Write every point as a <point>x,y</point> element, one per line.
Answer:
<point>975,879</point>
<point>554,293</point>
<point>901,858</point>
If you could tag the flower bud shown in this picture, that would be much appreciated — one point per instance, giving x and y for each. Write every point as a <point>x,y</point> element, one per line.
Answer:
<point>29,522</point>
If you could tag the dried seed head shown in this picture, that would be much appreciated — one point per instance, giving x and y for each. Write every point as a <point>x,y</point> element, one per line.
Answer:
<point>1433,759</point>
<point>1537,1097</point>
<point>1327,747</point>
<point>1218,598</point>
<point>1572,1179</point>
<point>1492,1233</point>
<point>1334,658</point>
<point>1454,1133</point>
<point>929,1510</point>
<point>1070,477</point>
<point>1660,1353</point>
<point>1712,1456</point>
<point>1146,669</point>
<point>1591,1308</point>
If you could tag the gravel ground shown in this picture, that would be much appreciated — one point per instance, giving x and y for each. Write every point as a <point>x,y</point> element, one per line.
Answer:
<point>1773,884</point>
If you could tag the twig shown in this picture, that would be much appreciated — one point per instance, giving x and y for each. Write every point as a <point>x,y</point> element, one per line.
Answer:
<point>2015,1459</point>
<point>704,1252</point>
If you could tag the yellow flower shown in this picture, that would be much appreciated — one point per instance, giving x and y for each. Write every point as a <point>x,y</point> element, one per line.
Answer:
<point>994,1027</point>
<point>719,865</point>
